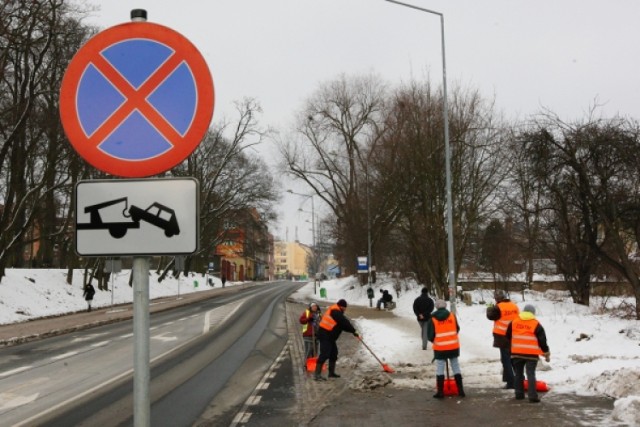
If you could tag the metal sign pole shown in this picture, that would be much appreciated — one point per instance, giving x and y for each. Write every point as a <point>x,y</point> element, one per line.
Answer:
<point>141,371</point>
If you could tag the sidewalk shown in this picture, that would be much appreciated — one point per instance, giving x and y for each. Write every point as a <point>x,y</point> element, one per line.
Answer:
<point>374,398</point>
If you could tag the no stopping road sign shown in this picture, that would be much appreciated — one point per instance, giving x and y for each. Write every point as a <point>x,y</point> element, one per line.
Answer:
<point>136,99</point>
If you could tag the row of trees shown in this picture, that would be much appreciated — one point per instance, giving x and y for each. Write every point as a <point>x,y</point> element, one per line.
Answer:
<point>375,155</point>
<point>39,168</point>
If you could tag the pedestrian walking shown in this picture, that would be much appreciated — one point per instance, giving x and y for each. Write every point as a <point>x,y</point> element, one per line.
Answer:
<point>528,342</point>
<point>310,320</point>
<point>89,292</point>
<point>332,323</point>
<point>502,313</point>
<point>223,279</point>
<point>422,307</point>
<point>443,333</point>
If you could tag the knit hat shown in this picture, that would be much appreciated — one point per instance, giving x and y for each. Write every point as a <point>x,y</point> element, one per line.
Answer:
<point>312,304</point>
<point>342,303</point>
<point>531,309</point>
<point>425,290</point>
<point>441,303</point>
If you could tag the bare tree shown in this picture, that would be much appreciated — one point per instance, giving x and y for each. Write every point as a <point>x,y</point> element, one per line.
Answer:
<point>331,152</point>
<point>34,37</point>
<point>592,172</point>
<point>414,149</point>
<point>231,178</point>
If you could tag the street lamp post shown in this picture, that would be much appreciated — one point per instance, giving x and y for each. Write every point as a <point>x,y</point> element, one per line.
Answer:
<point>452,278</point>
<point>313,232</point>
<point>369,260</point>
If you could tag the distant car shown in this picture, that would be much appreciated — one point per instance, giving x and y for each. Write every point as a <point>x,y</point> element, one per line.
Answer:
<point>158,215</point>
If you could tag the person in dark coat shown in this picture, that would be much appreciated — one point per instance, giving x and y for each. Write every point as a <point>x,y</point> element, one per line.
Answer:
<point>442,331</point>
<point>89,292</point>
<point>223,279</point>
<point>422,307</point>
<point>384,299</point>
<point>332,324</point>
<point>528,342</point>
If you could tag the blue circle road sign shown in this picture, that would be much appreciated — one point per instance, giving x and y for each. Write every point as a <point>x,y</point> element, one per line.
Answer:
<point>136,99</point>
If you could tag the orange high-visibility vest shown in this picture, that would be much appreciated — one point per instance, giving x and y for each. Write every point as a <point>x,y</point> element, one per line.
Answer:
<point>523,337</point>
<point>508,312</point>
<point>446,334</point>
<point>327,321</point>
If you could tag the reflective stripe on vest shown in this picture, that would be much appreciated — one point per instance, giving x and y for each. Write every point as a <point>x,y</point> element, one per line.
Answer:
<point>446,334</point>
<point>307,313</point>
<point>523,337</point>
<point>508,312</point>
<point>327,322</point>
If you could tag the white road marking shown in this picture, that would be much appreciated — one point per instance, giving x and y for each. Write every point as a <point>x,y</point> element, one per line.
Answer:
<point>163,338</point>
<point>10,400</point>
<point>254,400</point>
<point>14,371</point>
<point>100,344</point>
<point>64,355</point>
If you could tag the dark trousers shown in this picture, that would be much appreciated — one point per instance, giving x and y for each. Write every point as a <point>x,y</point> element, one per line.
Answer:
<point>519,366</point>
<point>328,349</point>
<point>423,332</point>
<point>507,366</point>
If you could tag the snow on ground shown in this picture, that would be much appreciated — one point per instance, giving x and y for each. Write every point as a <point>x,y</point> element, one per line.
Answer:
<point>592,351</point>
<point>27,294</point>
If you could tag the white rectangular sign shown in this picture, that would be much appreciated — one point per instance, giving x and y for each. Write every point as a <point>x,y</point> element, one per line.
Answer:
<point>137,217</point>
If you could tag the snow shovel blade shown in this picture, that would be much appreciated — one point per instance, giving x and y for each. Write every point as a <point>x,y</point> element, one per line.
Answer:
<point>450,387</point>
<point>385,367</point>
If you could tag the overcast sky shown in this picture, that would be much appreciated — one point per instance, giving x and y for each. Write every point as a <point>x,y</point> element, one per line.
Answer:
<point>564,55</point>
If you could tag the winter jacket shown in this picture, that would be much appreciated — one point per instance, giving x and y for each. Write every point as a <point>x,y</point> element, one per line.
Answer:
<point>89,292</point>
<point>442,314</point>
<point>333,323</point>
<point>502,314</point>
<point>386,296</point>
<point>423,305</point>
<point>526,318</point>
<point>310,321</point>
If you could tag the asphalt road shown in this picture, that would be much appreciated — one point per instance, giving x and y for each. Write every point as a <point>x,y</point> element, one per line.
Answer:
<point>84,378</point>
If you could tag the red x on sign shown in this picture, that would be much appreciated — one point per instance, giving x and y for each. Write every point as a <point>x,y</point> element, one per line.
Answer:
<point>136,99</point>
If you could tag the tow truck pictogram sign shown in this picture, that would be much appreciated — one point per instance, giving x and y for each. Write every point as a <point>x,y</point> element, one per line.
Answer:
<point>110,221</point>
<point>156,214</point>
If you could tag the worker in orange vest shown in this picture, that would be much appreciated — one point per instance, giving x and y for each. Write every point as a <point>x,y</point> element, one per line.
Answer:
<point>442,331</point>
<point>332,324</point>
<point>528,342</point>
<point>502,314</point>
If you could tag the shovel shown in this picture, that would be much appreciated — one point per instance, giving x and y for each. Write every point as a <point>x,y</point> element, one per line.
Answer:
<point>385,367</point>
<point>313,361</point>
<point>450,386</point>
